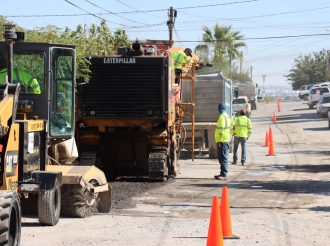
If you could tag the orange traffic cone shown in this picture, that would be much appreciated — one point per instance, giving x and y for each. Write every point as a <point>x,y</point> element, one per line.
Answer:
<point>274,118</point>
<point>267,100</point>
<point>278,98</point>
<point>278,107</point>
<point>271,150</point>
<point>266,140</point>
<point>225,216</point>
<point>270,133</point>
<point>214,237</point>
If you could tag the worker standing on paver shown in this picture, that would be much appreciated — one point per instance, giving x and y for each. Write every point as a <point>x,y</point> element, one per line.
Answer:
<point>180,57</point>
<point>222,138</point>
<point>242,132</point>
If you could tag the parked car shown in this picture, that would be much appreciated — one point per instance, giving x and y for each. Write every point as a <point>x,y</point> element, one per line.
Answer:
<point>260,99</point>
<point>242,102</point>
<point>304,91</point>
<point>315,93</point>
<point>329,118</point>
<point>323,105</point>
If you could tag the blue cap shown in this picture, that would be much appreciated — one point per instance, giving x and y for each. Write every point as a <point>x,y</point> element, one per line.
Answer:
<point>222,107</point>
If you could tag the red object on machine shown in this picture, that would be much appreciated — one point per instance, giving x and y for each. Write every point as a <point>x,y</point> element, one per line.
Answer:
<point>161,45</point>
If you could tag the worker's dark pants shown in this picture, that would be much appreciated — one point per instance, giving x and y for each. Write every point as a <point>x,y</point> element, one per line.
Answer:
<point>242,141</point>
<point>223,150</point>
<point>178,72</point>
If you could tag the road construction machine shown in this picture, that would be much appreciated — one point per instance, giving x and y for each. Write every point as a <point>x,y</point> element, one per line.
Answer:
<point>129,116</point>
<point>37,126</point>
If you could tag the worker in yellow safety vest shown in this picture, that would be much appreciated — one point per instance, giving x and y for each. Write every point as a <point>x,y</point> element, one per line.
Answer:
<point>241,128</point>
<point>20,76</point>
<point>179,58</point>
<point>222,138</point>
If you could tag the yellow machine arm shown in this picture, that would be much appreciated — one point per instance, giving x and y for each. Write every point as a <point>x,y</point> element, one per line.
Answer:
<point>6,109</point>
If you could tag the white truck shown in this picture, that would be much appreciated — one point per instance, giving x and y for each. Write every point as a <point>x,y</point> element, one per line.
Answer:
<point>210,90</point>
<point>249,90</point>
<point>304,91</point>
<point>242,102</point>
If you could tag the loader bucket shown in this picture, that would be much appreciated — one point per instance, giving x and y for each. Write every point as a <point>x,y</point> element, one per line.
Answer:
<point>85,190</point>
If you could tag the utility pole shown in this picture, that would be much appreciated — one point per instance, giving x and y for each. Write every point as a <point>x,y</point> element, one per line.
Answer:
<point>327,70</point>
<point>251,74</point>
<point>241,63</point>
<point>170,23</point>
<point>264,80</point>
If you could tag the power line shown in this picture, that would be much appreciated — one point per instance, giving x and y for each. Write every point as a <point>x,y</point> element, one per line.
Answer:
<point>113,13</point>
<point>130,12</point>
<point>137,9</point>
<point>292,36</point>
<point>147,25</point>
<point>92,14</point>
<point>219,4</point>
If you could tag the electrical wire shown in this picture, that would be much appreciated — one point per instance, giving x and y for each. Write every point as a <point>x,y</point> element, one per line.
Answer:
<point>144,26</point>
<point>138,10</point>
<point>178,37</point>
<point>92,14</point>
<point>274,37</point>
<point>114,13</point>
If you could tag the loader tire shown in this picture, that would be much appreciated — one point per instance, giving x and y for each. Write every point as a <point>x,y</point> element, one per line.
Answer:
<point>49,205</point>
<point>10,218</point>
<point>104,201</point>
<point>75,202</point>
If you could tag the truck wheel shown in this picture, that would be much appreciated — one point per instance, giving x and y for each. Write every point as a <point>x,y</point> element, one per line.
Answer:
<point>310,106</point>
<point>10,216</point>
<point>49,205</point>
<point>305,97</point>
<point>104,201</point>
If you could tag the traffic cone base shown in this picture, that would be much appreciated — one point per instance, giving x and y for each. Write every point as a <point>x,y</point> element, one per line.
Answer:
<point>214,237</point>
<point>225,216</point>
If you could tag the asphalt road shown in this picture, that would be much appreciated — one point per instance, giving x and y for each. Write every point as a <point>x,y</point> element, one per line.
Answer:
<point>281,199</point>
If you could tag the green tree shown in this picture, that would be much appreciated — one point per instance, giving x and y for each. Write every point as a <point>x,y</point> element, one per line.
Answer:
<point>89,40</point>
<point>308,69</point>
<point>243,76</point>
<point>226,44</point>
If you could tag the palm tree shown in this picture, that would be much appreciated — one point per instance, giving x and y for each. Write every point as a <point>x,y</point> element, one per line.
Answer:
<point>225,41</point>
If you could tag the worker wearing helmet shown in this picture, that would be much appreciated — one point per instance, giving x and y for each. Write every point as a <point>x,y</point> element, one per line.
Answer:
<point>180,57</point>
<point>19,76</point>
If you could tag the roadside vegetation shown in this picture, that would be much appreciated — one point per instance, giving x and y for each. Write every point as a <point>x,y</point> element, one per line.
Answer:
<point>308,69</point>
<point>223,46</point>
<point>89,40</point>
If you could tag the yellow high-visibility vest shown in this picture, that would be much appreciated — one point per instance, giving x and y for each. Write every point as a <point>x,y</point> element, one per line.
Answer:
<point>222,132</point>
<point>179,57</point>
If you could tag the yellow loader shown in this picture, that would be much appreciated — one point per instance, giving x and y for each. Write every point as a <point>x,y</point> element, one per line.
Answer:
<point>37,146</point>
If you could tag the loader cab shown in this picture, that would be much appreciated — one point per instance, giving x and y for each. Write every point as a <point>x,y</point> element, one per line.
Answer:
<point>46,73</point>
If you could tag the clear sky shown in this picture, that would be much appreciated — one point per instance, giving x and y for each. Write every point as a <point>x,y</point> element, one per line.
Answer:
<point>266,25</point>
